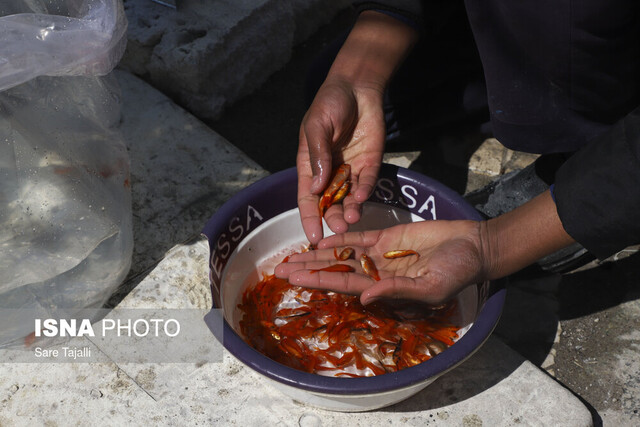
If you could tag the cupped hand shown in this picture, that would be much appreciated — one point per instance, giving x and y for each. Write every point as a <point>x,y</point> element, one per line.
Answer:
<point>450,257</point>
<point>345,124</point>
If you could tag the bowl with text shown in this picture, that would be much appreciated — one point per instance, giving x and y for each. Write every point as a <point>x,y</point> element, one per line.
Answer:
<point>260,226</point>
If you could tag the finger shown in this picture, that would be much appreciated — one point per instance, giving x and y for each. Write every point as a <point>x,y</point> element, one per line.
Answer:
<point>425,288</point>
<point>319,258</point>
<point>366,182</point>
<point>284,270</point>
<point>364,185</point>
<point>310,217</point>
<point>363,239</point>
<point>335,219</point>
<point>318,137</point>
<point>347,283</point>
<point>352,210</point>
<point>315,255</point>
<point>307,201</point>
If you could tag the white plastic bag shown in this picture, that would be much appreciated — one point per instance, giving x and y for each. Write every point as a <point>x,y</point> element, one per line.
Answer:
<point>59,38</point>
<point>65,201</point>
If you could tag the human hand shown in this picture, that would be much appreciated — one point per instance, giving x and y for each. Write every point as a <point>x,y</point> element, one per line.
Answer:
<point>451,257</point>
<point>345,123</point>
<point>453,254</point>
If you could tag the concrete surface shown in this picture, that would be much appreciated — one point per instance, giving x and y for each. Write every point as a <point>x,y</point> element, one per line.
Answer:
<point>200,169</point>
<point>579,328</point>
<point>170,149</point>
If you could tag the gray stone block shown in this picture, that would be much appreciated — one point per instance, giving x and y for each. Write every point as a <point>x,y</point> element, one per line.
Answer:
<point>206,55</point>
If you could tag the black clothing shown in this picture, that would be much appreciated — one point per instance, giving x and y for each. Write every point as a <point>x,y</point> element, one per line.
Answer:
<point>598,189</point>
<point>564,76</point>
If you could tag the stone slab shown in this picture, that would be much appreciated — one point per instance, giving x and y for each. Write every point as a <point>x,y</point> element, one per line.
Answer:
<point>181,171</point>
<point>491,160</point>
<point>206,55</point>
<point>495,386</point>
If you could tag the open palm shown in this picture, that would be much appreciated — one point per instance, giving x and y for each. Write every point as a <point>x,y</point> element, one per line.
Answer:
<point>450,258</point>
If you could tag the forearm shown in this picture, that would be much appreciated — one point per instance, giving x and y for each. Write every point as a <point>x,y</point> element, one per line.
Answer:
<point>374,49</point>
<point>519,238</point>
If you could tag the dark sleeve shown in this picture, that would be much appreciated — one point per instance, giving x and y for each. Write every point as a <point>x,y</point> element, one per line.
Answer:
<point>597,190</point>
<point>425,15</point>
<point>408,9</point>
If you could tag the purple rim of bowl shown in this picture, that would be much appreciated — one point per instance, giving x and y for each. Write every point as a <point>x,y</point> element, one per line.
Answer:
<point>263,193</point>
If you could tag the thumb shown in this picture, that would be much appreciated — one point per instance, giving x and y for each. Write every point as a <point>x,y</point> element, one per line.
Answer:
<point>318,140</point>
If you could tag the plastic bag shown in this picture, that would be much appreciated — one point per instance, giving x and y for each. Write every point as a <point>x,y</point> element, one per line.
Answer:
<point>65,203</point>
<point>59,38</point>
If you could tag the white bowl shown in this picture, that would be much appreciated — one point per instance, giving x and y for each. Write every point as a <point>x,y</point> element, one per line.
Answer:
<point>252,232</point>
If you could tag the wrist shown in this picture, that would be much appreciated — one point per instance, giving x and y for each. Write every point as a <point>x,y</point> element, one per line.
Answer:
<point>374,49</point>
<point>490,248</point>
<point>519,238</point>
